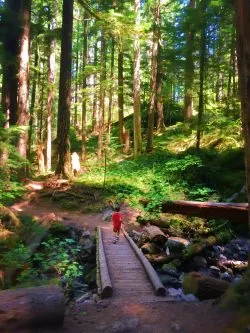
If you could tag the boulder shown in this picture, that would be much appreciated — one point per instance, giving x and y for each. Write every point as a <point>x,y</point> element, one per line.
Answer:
<point>198,263</point>
<point>170,270</point>
<point>176,244</point>
<point>171,281</point>
<point>86,244</point>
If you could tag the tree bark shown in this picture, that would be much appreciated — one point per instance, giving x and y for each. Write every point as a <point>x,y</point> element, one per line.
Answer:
<point>10,66</point>
<point>32,104</point>
<point>51,94</point>
<point>23,78</point>
<point>137,84</point>
<point>120,94</point>
<point>242,18</point>
<point>154,65</point>
<point>159,98</point>
<point>189,67</point>
<point>75,119</point>
<point>94,107</point>
<point>235,212</point>
<point>202,74</point>
<point>63,124</point>
<point>84,86</point>
<point>102,97</point>
<point>112,64</point>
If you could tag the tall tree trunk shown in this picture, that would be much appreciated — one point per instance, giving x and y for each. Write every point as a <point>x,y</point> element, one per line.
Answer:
<point>137,85</point>
<point>120,94</point>
<point>152,102</point>
<point>76,76</point>
<point>40,116</point>
<point>159,98</point>
<point>32,104</point>
<point>202,74</point>
<point>51,83</point>
<point>242,11</point>
<point>112,64</point>
<point>10,59</point>
<point>84,86</point>
<point>94,107</point>
<point>63,123</point>
<point>102,97</point>
<point>189,67</point>
<point>23,79</point>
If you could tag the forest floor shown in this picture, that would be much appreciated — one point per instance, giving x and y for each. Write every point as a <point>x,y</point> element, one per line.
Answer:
<point>129,315</point>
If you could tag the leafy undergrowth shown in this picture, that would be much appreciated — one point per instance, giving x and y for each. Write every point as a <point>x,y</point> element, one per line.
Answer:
<point>174,170</point>
<point>60,259</point>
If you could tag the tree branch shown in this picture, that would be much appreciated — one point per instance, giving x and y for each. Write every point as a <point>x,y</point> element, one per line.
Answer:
<point>87,7</point>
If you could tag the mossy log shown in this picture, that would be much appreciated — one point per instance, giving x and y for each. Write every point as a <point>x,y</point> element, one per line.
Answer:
<point>204,287</point>
<point>31,307</point>
<point>235,212</point>
<point>160,259</point>
<point>196,248</point>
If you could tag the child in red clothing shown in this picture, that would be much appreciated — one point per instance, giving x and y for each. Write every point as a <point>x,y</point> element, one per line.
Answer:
<point>117,221</point>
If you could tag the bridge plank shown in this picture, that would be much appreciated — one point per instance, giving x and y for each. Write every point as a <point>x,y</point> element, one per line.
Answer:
<point>126,271</point>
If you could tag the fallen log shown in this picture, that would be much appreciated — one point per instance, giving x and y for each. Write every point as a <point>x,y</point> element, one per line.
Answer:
<point>153,277</point>
<point>236,266</point>
<point>235,212</point>
<point>155,234</point>
<point>204,287</point>
<point>27,307</point>
<point>160,259</point>
<point>106,286</point>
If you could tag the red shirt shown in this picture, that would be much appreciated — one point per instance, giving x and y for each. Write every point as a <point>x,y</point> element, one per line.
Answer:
<point>117,220</point>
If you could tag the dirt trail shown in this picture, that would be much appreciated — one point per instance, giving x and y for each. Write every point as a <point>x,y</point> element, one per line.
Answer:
<point>126,315</point>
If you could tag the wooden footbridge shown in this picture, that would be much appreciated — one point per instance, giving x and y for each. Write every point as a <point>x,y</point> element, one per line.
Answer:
<point>122,269</point>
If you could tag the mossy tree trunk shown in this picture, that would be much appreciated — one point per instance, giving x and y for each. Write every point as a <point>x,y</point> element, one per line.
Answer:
<point>63,124</point>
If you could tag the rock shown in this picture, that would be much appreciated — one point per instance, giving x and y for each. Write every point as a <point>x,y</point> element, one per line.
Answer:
<point>222,257</point>
<point>226,277</point>
<point>214,272</point>
<point>121,326</point>
<point>170,270</point>
<point>189,298</point>
<point>85,234</point>
<point>135,234</point>
<point>176,244</point>
<point>175,327</point>
<point>236,279</point>
<point>175,292</point>
<point>168,280</point>
<point>198,263</point>
<point>83,298</point>
<point>150,248</point>
<point>86,244</point>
